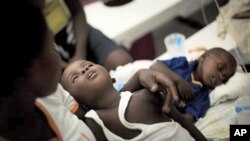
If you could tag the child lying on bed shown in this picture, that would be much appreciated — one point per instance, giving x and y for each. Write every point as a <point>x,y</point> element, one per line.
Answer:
<point>124,115</point>
<point>213,68</point>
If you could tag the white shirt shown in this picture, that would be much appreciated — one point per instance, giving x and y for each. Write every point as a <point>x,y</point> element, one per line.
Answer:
<point>164,131</point>
<point>58,109</point>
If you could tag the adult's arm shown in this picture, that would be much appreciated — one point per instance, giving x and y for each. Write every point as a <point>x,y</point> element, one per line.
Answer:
<point>80,28</point>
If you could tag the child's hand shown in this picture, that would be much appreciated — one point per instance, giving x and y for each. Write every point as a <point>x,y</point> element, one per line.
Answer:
<point>156,82</point>
<point>185,91</point>
<point>168,102</point>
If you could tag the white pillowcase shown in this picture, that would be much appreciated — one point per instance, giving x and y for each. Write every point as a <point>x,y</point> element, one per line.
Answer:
<point>237,85</point>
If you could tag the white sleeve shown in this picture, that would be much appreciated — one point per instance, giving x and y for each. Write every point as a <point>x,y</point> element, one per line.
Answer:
<point>66,99</point>
<point>63,122</point>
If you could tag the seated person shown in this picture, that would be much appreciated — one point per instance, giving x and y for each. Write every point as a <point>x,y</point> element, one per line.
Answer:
<point>213,68</point>
<point>76,39</point>
<point>124,115</point>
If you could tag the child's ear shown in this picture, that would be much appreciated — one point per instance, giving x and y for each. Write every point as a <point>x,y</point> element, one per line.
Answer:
<point>113,80</point>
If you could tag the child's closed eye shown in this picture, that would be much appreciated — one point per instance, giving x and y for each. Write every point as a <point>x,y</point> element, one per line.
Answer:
<point>75,78</point>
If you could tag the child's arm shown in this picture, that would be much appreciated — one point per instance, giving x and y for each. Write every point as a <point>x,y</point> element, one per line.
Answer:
<point>150,79</point>
<point>184,89</point>
<point>156,82</point>
<point>80,112</point>
<point>190,117</point>
<point>194,132</point>
<point>133,83</point>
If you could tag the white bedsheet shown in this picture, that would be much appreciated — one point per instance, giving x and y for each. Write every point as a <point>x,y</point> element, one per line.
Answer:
<point>215,125</point>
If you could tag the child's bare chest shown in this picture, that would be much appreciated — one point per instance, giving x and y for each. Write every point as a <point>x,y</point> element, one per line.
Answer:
<point>140,109</point>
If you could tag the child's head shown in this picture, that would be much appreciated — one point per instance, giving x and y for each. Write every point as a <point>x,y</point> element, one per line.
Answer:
<point>86,81</point>
<point>215,67</point>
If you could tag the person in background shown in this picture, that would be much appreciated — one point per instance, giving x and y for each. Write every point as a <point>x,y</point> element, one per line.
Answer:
<point>198,77</point>
<point>76,39</point>
<point>127,115</point>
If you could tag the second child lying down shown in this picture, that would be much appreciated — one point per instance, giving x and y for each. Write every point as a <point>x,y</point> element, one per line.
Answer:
<point>193,79</point>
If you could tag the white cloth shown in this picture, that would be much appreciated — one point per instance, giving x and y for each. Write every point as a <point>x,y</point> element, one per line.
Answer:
<point>221,114</point>
<point>58,109</point>
<point>164,131</point>
<point>123,73</point>
<point>239,29</point>
<point>232,89</point>
<point>215,125</point>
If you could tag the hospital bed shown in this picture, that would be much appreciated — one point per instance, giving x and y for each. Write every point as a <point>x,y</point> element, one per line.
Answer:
<point>221,114</point>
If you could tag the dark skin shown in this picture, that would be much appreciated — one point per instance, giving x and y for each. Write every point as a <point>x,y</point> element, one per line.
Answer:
<point>105,100</point>
<point>185,91</point>
<point>20,119</point>
<point>81,31</point>
<point>151,107</point>
<point>213,69</point>
<point>80,27</point>
<point>18,128</point>
<point>144,78</point>
<point>115,58</point>
<point>156,83</point>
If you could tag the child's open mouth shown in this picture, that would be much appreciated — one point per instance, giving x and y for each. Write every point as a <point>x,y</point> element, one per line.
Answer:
<point>91,75</point>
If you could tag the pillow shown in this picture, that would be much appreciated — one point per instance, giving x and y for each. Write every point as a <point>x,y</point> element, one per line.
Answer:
<point>123,73</point>
<point>236,86</point>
